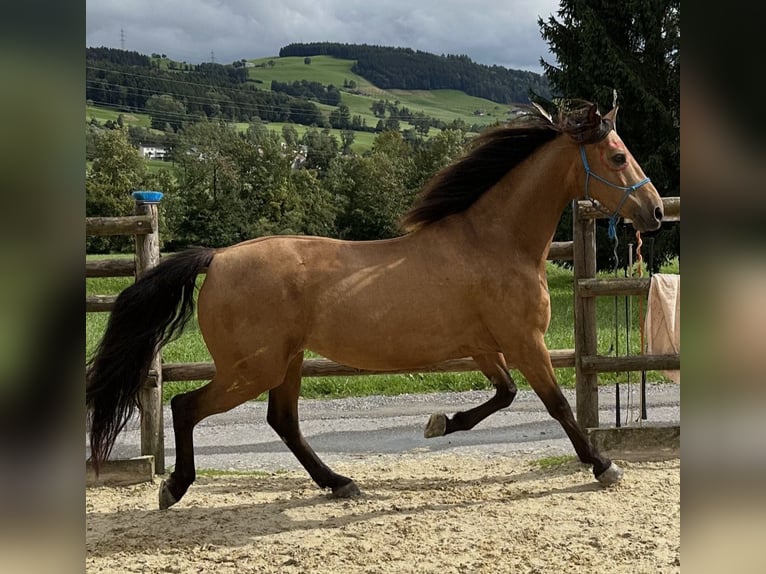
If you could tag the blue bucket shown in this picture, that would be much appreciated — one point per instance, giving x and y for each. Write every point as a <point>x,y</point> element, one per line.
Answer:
<point>147,196</point>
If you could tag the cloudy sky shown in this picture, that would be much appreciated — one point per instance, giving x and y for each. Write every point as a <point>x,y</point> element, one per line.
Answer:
<point>502,32</point>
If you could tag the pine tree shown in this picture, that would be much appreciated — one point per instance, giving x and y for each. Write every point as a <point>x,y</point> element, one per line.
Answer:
<point>632,46</point>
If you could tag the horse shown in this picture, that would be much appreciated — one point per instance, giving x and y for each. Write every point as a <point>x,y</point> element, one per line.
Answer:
<point>466,278</point>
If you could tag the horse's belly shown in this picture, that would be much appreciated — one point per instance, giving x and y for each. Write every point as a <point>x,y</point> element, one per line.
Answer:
<point>397,340</point>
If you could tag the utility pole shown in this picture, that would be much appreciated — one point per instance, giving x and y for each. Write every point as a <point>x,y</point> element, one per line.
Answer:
<point>122,39</point>
<point>212,57</point>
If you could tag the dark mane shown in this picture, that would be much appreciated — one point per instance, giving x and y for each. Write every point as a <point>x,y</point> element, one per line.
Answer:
<point>493,154</point>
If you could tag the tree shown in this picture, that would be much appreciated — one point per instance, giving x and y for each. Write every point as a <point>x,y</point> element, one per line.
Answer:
<point>391,124</point>
<point>379,108</point>
<point>322,147</point>
<point>634,47</point>
<point>422,124</point>
<point>290,135</point>
<point>208,209</point>
<point>340,117</point>
<point>316,207</point>
<point>307,60</point>
<point>347,140</point>
<point>116,171</point>
<point>438,152</point>
<point>165,110</point>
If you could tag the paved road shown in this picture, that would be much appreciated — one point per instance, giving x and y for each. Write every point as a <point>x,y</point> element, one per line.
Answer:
<point>359,428</point>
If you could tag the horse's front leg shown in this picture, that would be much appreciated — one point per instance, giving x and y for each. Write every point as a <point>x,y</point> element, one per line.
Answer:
<point>535,364</point>
<point>494,368</point>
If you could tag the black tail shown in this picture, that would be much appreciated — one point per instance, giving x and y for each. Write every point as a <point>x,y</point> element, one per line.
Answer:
<point>146,315</point>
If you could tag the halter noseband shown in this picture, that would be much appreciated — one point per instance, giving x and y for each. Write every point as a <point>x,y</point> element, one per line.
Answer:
<point>628,190</point>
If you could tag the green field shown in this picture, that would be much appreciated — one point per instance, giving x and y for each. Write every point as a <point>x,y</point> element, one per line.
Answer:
<point>190,346</point>
<point>105,114</point>
<point>446,105</point>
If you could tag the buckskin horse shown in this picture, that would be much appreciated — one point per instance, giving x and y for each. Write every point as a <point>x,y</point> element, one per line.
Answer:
<point>465,279</point>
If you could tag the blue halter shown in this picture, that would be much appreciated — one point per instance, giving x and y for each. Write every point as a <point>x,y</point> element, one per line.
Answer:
<point>628,190</point>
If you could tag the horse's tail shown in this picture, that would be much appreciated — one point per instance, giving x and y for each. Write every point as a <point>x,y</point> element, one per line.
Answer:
<point>146,315</point>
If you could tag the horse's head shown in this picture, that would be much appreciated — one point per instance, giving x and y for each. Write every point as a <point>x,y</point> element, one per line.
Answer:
<point>611,174</point>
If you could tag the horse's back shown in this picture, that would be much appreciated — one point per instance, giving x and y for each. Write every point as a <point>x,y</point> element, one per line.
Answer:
<point>378,304</point>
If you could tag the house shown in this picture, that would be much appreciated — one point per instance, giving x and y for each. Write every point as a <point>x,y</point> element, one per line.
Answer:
<point>152,152</point>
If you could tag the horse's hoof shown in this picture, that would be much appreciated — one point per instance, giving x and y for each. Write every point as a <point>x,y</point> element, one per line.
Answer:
<point>611,475</point>
<point>348,490</point>
<point>166,499</point>
<point>437,425</point>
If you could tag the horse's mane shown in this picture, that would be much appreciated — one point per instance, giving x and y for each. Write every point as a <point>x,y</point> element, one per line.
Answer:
<point>497,151</point>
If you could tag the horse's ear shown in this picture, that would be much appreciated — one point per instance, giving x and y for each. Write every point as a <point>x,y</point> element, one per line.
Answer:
<point>612,115</point>
<point>594,116</point>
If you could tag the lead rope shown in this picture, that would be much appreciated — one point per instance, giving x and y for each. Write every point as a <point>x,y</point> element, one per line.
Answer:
<point>617,407</point>
<point>628,325</point>
<point>641,319</point>
<point>639,270</point>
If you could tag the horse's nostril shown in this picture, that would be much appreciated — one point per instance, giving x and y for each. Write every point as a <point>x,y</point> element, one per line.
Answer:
<point>658,213</point>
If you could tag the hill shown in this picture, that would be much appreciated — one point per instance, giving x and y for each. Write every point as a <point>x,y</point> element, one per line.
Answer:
<point>359,94</point>
<point>321,90</point>
<point>391,68</point>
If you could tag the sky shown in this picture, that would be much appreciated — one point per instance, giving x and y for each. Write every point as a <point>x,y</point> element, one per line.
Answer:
<point>492,32</point>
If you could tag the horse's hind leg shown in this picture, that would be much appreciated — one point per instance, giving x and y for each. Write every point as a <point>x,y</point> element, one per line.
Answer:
<point>188,409</point>
<point>494,368</point>
<point>282,416</point>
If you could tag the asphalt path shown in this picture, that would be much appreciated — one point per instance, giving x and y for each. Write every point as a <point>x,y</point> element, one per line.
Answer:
<point>365,427</point>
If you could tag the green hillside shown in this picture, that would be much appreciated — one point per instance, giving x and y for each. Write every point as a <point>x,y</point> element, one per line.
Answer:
<point>356,92</point>
<point>322,69</point>
<point>446,105</point>
<point>103,114</point>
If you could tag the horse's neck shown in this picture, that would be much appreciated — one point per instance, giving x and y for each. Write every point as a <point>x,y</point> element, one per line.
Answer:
<point>523,210</point>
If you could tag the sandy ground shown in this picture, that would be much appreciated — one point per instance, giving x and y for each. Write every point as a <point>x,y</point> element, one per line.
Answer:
<point>435,513</point>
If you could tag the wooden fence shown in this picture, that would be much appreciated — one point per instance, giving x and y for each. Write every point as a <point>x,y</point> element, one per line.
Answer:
<point>144,225</point>
<point>586,288</point>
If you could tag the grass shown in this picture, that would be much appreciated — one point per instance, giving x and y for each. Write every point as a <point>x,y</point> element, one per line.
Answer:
<point>191,348</point>
<point>155,165</point>
<point>549,462</point>
<point>106,114</point>
<point>213,473</point>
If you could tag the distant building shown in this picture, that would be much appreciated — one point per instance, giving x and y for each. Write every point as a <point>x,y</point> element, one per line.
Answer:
<point>152,152</point>
<point>300,156</point>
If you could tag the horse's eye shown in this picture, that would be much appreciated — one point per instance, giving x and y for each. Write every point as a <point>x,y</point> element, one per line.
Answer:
<point>619,159</point>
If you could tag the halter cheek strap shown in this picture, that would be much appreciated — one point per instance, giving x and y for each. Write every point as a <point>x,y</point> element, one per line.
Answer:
<point>627,191</point>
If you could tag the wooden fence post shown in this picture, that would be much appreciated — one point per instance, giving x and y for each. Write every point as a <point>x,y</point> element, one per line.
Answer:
<point>148,256</point>
<point>586,385</point>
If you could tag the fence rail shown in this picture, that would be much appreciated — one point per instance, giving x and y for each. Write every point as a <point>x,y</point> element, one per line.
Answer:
<point>326,368</point>
<point>139,224</point>
<point>671,207</point>
<point>110,268</point>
